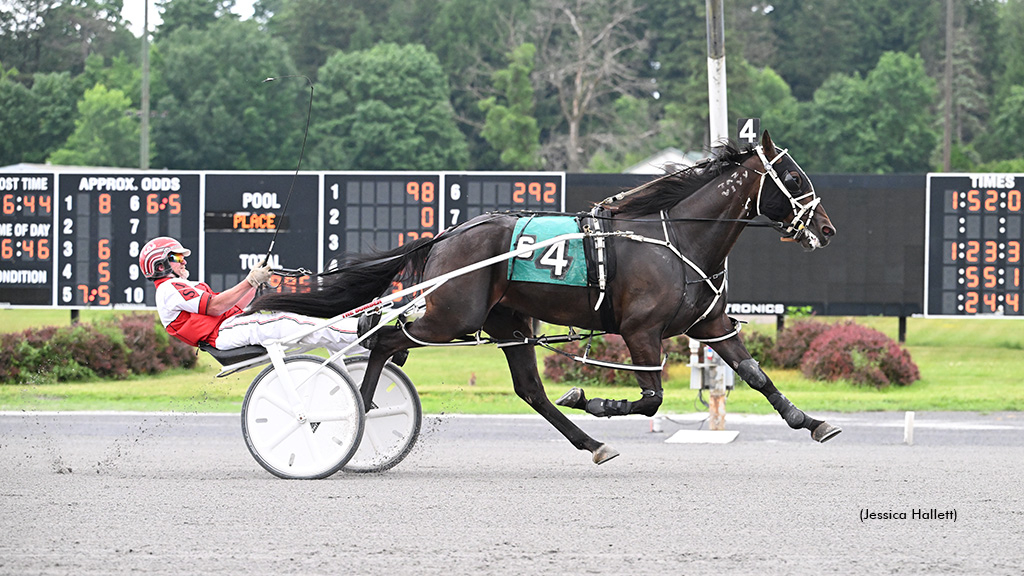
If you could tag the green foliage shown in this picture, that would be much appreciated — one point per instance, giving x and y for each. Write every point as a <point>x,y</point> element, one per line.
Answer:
<point>629,139</point>
<point>511,127</point>
<point>115,349</point>
<point>17,123</point>
<point>1003,139</point>
<point>316,29</point>
<point>761,347</point>
<point>385,108</point>
<point>194,14</point>
<point>797,312</point>
<point>859,125</point>
<point>217,113</point>
<point>814,39</point>
<point>105,134</point>
<point>49,36</point>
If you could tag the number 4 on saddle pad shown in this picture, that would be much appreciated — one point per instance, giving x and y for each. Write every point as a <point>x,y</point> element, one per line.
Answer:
<point>559,263</point>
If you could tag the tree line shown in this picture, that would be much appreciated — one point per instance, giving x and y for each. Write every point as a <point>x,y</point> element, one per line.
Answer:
<point>576,85</point>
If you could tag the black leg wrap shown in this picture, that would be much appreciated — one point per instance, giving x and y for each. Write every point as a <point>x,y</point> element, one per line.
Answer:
<point>790,413</point>
<point>648,404</point>
<point>752,374</point>
<point>606,408</point>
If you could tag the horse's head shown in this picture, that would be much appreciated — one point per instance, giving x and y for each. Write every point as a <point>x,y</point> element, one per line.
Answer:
<point>787,197</point>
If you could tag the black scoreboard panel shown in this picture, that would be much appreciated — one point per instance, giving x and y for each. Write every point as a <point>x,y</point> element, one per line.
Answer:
<point>242,213</point>
<point>470,194</point>
<point>27,205</point>
<point>974,230</point>
<point>873,266</point>
<point>377,211</point>
<point>384,210</point>
<point>103,220</point>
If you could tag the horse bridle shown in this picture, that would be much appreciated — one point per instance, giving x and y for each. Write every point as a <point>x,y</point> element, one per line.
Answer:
<point>803,210</point>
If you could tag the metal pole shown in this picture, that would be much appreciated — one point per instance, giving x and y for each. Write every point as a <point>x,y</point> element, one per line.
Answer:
<point>947,132</point>
<point>718,116</point>
<point>718,106</point>
<point>144,131</point>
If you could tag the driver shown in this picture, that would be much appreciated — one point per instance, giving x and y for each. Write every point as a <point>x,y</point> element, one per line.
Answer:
<point>193,313</point>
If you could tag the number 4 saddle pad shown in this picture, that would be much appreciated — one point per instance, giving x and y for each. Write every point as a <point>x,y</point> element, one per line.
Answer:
<point>560,263</point>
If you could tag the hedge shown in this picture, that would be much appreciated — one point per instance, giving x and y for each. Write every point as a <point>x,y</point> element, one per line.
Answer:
<point>127,345</point>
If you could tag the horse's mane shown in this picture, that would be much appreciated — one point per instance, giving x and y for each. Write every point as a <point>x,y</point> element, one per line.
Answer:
<point>666,191</point>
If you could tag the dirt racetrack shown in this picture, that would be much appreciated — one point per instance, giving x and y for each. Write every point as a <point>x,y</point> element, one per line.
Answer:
<point>180,494</point>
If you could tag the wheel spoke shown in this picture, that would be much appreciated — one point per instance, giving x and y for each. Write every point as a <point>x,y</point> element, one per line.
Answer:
<point>283,435</point>
<point>332,416</point>
<point>386,411</point>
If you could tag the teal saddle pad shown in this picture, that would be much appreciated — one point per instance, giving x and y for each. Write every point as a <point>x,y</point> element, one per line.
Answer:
<point>560,263</point>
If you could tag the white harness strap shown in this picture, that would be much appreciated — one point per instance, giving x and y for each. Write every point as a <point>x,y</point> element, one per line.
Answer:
<point>709,280</point>
<point>801,210</point>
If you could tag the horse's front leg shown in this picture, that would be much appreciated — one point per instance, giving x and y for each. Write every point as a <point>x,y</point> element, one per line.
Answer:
<point>644,350</point>
<point>735,354</point>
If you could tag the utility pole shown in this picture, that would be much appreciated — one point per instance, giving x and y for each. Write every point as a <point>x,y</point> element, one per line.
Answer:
<point>144,116</point>
<point>947,132</point>
<point>719,130</point>
<point>718,105</point>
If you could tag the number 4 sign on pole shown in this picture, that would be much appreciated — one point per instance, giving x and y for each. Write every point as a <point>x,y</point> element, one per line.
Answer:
<point>747,130</point>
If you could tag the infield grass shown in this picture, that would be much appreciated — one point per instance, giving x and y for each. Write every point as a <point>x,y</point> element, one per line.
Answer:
<point>966,365</point>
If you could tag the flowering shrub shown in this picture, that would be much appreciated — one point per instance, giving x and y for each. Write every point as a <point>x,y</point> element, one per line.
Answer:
<point>794,341</point>
<point>150,348</point>
<point>761,347</point>
<point>861,355</point>
<point>607,348</point>
<point>116,349</point>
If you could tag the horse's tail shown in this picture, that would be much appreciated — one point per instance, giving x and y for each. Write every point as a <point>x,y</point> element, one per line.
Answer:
<point>358,279</point>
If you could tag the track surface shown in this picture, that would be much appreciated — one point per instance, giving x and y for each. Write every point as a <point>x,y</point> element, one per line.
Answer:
<point>179,493</point>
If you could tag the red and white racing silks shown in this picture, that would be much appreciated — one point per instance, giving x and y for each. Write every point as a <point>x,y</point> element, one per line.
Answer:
<point>183,305</point>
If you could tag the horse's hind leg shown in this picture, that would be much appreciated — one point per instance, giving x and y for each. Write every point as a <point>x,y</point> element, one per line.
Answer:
<point>644,350</point>
<point>522,362</point>
<point>735,353</point>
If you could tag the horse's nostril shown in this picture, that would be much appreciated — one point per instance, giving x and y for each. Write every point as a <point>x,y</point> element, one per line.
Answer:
<point>827,231</point>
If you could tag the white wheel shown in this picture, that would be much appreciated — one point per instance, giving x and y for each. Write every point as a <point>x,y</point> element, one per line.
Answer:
<point>313,439</point>
<point>392,423</point>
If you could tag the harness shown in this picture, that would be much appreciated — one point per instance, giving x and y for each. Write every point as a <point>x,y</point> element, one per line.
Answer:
<point>801,210</point>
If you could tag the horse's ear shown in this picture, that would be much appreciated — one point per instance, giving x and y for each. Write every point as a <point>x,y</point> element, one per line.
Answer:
<point>768,145</point>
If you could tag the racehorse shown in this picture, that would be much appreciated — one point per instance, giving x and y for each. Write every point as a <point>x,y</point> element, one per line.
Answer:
<point>669,239</point>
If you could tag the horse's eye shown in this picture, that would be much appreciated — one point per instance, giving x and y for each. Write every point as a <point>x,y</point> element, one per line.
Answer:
<point>792,181</point>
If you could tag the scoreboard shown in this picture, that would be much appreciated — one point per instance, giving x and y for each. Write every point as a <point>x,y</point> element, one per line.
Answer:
<point>973,244</point>
<point>27,205</point>
<point>102,221</point>
<point>72,240</point>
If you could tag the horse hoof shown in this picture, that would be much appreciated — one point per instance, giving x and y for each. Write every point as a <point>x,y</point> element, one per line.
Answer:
<point>825,432</point>
<point>604,453</point>
<point>570,398</point>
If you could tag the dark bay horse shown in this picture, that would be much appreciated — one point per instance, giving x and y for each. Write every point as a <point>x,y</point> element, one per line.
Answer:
<point>674,235</point>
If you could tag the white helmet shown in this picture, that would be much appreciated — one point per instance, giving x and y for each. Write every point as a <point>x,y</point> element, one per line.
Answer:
<point>153,257</point>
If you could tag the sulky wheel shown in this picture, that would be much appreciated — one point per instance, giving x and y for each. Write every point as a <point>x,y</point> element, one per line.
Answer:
<point>309,434</point>
<point>392,423</point>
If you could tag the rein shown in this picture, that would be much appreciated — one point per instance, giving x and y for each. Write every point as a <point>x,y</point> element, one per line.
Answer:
<point>302,150</point>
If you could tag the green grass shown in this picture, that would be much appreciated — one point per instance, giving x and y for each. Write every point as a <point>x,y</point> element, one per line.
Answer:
<point>966,365</point>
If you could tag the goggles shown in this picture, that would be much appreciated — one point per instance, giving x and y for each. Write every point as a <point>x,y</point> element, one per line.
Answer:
<point>176,258</point>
